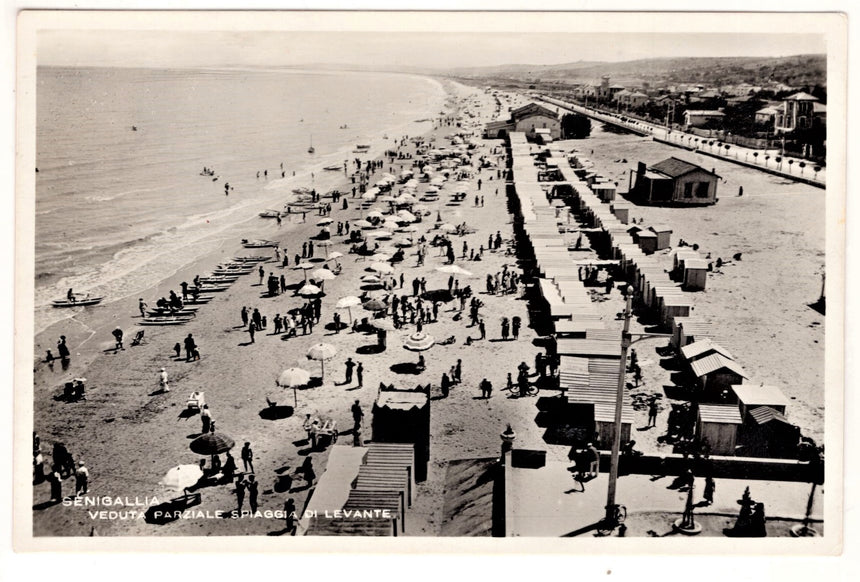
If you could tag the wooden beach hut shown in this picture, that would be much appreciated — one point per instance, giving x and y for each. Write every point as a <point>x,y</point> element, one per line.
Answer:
<point>403,416</point>
<point>716,373</point>
<point>749,397</point>
<point>695,274</point>
<point>621,210</point>
<point>719,424</point>
<point>664,234</point>
<point>768,433</point>
<point>702,349</point>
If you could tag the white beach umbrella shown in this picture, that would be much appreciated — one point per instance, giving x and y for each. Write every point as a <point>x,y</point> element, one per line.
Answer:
<point>368,196</point>
<point>362,224</point>
<point>309,290</point>
<point>406,216</point>
<point>384,268</point>
<point>305,267</point>
<point>379,234</point>
<point>375,214</point>
<point>323,275</point>
<point>293,378</point>
<point>448,227</point>
<point>322,352</point>
<point>348,303</point>
<point>408,228</point>
<point>454,270</point>
<point>380,257</point>
<point>405,198</point>
<point>181,477</point>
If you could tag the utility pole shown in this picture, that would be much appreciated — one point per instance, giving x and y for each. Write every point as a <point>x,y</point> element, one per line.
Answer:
<point>626,340</point>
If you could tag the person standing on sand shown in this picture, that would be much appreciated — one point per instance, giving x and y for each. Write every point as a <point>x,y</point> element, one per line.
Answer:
<point>205,419</point>
<point>349,366</point>
<point>162,380</point>
<point>190,346</point>
<point>141,305</point>
<point>248,457</point>
<point>458,372</point>
<point>357,416</point>
<point>359,372</point>
<point>253,488</point>
<point>117,334</point>
<point>515,327</point>
<point>652,413</point>
<point>482,328</point>
<point>62,349</point>
<point>252,329</point>
<point>244,316</point>
<point>262,273</point>
<point>257,319</point>
<point>82,478</point>
<point>283,282</point>
<point>240,495</point>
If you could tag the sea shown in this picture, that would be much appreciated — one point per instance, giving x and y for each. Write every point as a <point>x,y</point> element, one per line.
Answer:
<point>120,200</point>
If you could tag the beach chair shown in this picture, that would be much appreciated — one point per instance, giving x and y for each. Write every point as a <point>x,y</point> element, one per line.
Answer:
<point>196,401</point>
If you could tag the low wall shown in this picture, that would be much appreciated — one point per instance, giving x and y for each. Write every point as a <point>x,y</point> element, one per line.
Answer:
<point>722,467</point>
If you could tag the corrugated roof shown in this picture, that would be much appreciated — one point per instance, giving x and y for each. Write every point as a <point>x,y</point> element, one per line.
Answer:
<point>675,167</point>
<point>586,347</point>
<point>750,394</point>
<point>720,413</point>
<point>765,414</point>
<point>695,264</point>
<point>704,346</point>
<point>660,228</point>
<point>716,362</point>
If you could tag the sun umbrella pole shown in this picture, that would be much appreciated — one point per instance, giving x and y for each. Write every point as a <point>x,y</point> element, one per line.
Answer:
<point>322,367</point>
<point>295,398</point>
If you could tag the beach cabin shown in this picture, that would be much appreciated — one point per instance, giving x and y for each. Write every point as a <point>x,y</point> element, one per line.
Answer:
<point>716,374</point>
<point>646,240</point>
<point>605,191</point>
<point>749,397</point>
<point>719,424</point>
<point>604,424</point>
<point>663,235</point>
<point>695,274</point>
<point>768,433</point>
<point>403,416</point>
<point>621,210</point>
<point>674,182</point>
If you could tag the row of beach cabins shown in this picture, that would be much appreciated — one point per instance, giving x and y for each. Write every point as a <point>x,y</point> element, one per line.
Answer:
<point>735,416</point>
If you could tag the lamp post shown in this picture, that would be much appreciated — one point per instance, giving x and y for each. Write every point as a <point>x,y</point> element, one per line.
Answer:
<point>619,402</point>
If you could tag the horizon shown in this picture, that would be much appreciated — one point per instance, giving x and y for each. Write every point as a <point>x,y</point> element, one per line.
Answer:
<point>403,51</point>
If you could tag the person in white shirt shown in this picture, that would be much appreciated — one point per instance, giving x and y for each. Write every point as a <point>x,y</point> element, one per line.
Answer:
<point>162,379</point>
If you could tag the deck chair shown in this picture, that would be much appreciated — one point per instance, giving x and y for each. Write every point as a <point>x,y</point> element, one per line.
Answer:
<point>196,401</point>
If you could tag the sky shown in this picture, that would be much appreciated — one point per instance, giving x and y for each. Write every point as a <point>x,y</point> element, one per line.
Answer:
<point>385,48</point>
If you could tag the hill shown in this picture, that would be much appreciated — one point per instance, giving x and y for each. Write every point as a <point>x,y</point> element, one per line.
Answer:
<point>794,71</point>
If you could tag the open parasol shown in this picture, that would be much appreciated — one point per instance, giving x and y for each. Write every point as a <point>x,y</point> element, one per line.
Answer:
<point>309,290</point>
<point>419,341</point>
<point>322,352</point>
<point>383,323</point>
<point>380,258</point>
<point>348,303</point>
<point>305,267</point>
<point>381,268</point>
<point>293,378</point>
<point>181,477</point>
<point>448,227</point>
<point>454,270</point>
<point>212,443</point>
<point>375,305</point>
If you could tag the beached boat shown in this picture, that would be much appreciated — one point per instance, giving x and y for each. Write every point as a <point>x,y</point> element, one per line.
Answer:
<point>257,244</point>
<point>80,301</point>
<point>213,288</point>
<point>333,168</point>
<point>361,148</point>
<point>201,300</point>
<point>301,190</point>
<point>164,321</point>
<point>185,311</point>
<point>270,214</point>
<point>232,271</point>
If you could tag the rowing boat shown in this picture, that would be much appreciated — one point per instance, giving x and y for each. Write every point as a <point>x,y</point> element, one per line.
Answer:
<point>82,302</point>
<point>256,244</point>
<point>333,168</point>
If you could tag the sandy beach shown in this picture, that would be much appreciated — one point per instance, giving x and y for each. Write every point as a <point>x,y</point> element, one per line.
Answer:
<point>130,434</point>
<point>129,437</point>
